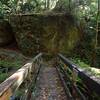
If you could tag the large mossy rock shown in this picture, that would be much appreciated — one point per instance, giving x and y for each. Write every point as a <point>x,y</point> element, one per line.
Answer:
<point>48,32</point>
<point>6,35</point>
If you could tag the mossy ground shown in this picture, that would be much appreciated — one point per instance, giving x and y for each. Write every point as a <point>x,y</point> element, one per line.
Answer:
<point>10,61</point>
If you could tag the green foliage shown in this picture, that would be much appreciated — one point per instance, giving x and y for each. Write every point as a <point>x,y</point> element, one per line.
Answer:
<point>19,93</point>
<point>6,67</point>
<point>86,66</point>
<point>85,12</point>
<point>80,63</point>
<point>3,10</point>
<point>10,65</point>
<point>3,76</point>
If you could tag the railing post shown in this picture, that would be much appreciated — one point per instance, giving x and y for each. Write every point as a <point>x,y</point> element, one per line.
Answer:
<point>74,76</point>
<point>74,80</point>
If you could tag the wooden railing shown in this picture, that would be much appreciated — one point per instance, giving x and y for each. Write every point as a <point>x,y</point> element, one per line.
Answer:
<point>11,84</point>
<point>29,72</point>
<point>76,72</point>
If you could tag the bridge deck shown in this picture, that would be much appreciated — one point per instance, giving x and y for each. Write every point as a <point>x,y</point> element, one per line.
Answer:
<point>49,86</point>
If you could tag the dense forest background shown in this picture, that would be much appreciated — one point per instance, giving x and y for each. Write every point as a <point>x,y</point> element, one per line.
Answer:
<point>86,14</point>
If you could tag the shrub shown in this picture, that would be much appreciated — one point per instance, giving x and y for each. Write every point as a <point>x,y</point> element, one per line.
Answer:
<point>3,76</point>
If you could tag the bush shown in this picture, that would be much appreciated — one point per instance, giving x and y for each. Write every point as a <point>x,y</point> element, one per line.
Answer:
<point>80,63</point>
<point>10,65</point>
<point>3,76</point>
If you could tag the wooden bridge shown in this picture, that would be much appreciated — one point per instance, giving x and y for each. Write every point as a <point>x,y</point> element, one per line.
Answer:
<point>55,80</point>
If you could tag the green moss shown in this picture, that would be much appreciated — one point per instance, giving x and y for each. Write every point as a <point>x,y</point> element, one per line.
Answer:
<point>81,64</point>
<point>10,65</point>
<point>55,33</point>
<point>3,76</point>
<point>19,93</point>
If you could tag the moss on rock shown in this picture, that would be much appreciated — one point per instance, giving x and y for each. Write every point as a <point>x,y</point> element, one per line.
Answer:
<point>48,32</point>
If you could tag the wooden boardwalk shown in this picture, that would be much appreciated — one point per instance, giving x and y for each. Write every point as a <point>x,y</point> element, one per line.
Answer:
<point>49,86</point>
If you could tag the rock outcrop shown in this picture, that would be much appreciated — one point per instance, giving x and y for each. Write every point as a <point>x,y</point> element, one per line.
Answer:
<point>47,32</point>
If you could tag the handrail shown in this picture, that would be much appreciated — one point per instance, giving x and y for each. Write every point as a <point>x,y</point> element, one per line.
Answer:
<point>11,84</point>
<point>88,81</point>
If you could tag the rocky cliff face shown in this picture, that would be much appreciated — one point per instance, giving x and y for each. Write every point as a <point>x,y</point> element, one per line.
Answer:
<point>48,32</point>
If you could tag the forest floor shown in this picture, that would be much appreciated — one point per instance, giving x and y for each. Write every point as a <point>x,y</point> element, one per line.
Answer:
<point>49,86</point>
<point>10,62</point>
